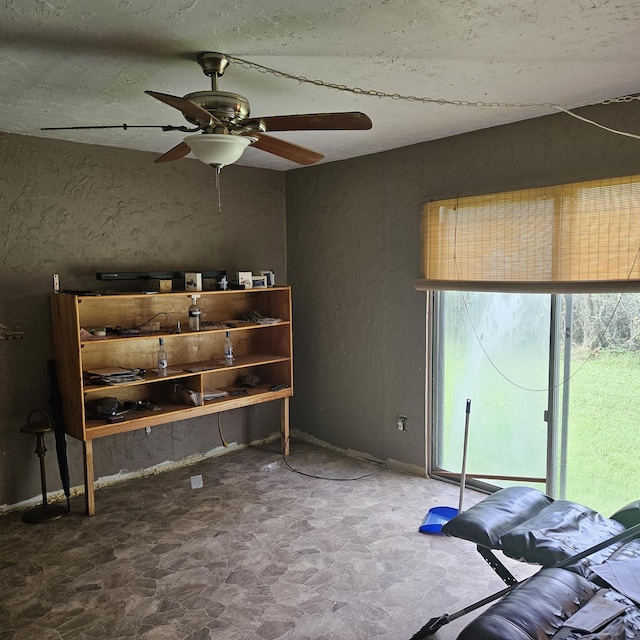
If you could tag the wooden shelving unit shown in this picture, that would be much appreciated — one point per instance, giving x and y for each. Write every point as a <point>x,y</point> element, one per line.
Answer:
<point>195,358</point>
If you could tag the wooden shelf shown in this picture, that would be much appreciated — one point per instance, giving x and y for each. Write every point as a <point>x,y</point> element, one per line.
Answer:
<point>189,371</point>
<point>168,413</point>
<point>154,335</point>
<point>261,350</point>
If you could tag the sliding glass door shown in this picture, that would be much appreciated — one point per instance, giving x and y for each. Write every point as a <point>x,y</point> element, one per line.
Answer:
<point>492,348</point>
<point>553,382</point>
<point>600,428</point>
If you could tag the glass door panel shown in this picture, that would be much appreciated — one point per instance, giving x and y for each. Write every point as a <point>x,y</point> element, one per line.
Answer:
<point>492,348</point>
<point>599,464</point>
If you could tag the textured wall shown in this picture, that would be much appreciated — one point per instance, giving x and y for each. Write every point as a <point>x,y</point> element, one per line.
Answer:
<point>76,209</point>
<point>353,256</point>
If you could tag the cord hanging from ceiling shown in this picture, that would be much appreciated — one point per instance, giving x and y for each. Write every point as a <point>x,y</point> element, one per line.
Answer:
<point>601,126</point>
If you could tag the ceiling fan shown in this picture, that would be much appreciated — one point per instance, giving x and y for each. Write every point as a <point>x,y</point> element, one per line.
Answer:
<point>225,129</point>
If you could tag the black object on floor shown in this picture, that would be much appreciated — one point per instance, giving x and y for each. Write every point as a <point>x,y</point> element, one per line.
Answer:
<point>55,402</point>
<point>46,512</point>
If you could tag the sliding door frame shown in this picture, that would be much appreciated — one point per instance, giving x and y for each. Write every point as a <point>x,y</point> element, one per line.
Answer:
<point>435,398</point>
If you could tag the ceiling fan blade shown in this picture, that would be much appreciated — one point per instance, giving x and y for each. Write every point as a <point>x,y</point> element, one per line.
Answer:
<point>164,127</point>
<point>348,120</point>
<point>179,151</point>
<point>284,149</point>
<point>189,109</point>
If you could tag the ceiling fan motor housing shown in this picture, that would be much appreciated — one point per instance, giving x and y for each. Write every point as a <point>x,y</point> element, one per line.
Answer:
<point>227,107</point>
<point>213,63</point>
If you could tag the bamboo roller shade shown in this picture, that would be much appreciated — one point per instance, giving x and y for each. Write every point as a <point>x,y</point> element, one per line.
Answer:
<point>583,236</point>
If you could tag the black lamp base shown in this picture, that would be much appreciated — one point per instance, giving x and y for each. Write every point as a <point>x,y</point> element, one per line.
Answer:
<point>44,514</point>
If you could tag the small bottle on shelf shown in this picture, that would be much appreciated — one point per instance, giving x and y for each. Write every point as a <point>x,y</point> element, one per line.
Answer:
<point>194,314</point>
<point>228,350</point>
<point>162,359</point>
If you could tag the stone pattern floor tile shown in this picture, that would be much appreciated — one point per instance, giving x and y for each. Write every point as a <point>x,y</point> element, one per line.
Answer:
<point>259,553</point>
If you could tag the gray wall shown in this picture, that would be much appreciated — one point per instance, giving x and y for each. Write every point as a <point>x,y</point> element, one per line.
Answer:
<point>76,209</point>
<point>354,253</point>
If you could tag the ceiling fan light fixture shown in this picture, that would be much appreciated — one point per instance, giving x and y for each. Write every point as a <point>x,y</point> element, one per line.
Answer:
<point>217,149</point>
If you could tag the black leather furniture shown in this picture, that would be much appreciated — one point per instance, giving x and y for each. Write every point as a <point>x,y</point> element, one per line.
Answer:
<point>568,599</point>
<point>540,608</point>
<point>529,526</point>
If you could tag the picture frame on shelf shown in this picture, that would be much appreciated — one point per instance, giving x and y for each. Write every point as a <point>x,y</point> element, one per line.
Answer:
<point>271,277</point>
<point>245,278</point>
<point>192,281</point>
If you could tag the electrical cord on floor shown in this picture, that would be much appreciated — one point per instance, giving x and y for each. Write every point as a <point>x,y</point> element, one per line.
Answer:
<point>317,477</point>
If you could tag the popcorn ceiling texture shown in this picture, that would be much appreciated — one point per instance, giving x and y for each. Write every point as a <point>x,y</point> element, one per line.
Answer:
<point>76,209</point>
<point>86,62</point>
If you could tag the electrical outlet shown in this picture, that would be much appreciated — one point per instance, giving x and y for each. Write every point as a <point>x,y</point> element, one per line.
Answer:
<point>147,430</point>
<point>402,423</point>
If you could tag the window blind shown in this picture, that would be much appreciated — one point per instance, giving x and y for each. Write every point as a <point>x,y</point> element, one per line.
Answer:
<point>576,237</point>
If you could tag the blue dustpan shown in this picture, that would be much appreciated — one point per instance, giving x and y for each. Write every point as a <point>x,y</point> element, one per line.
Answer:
<point>436,518</point>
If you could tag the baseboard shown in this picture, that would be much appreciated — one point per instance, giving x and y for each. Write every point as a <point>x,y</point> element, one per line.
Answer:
<point>105,481</point>
<point>396,465</point>
<point>169,465</point>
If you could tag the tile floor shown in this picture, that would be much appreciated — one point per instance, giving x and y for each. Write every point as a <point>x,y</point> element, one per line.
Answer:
<point>257,553</point>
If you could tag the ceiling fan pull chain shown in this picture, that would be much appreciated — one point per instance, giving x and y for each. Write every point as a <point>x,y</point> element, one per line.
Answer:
<point>247,64</point>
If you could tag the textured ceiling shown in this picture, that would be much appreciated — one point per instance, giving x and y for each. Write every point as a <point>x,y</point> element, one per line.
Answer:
<point>88,62</point>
